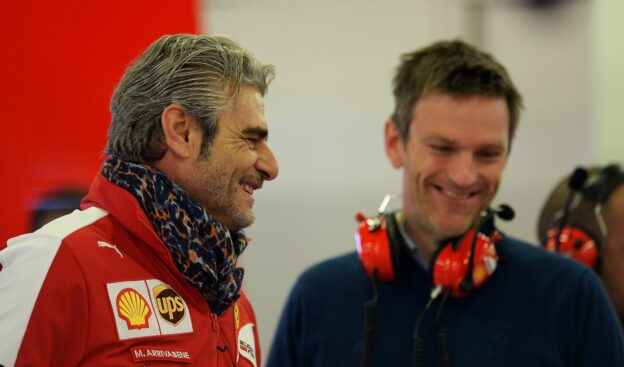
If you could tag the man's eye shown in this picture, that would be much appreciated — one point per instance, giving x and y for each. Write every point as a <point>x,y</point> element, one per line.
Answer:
<point>490,154</point>
<point>252,141</point>
<point>442,148</point>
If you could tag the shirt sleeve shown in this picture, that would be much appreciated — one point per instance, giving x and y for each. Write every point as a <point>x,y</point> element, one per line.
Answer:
<point>43,313</point>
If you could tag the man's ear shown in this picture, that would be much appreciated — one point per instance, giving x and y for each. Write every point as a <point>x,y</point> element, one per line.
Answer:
<point>182,135</point>
<point>393,144</point>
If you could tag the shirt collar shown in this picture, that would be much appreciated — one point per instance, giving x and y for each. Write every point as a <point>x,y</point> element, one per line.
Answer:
<point>411,247</point>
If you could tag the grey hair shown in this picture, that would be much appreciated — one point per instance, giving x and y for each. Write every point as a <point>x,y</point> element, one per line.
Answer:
<point>201,73</point>
<point>456,68</point>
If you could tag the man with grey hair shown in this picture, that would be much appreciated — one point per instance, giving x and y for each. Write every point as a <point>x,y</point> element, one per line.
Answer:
<point>146,272</point>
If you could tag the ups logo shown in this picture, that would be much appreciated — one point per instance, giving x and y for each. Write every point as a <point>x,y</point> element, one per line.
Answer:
<point>169,304</point>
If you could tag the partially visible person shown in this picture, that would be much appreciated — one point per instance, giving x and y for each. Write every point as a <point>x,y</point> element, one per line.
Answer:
<point>435,283</point>
<point>583,218</point>
<point>55,204</point>
<point>146,273</point>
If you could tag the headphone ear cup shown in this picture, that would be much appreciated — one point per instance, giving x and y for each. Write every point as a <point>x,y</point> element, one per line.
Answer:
<point>373,249</point>
<point>378,244</point>
<point>574,243</point>
<point>449,265</point>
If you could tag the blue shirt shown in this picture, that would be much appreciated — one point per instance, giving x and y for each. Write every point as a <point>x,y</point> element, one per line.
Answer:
<point>537,309</point>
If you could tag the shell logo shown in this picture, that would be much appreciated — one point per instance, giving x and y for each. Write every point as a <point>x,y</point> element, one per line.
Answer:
<point>133,308</point>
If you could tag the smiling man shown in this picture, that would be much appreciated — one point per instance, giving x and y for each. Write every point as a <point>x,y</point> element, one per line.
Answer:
<point>145,273</point>
<point>452,158</point>
<point>435,283</point>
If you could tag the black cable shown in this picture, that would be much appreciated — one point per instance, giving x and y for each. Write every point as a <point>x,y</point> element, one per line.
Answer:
<point>369,324</point>
<point>418,350</point>
<point>467,284</point>
<point>444,357</point>
<point>445,295</point>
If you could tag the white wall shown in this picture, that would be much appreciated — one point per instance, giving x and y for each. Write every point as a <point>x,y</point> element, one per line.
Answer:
<point>547,53</point>
<point>326,109</point>
<point>608,79</point>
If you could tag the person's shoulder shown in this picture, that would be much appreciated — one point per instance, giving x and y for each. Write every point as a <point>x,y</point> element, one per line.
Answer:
<point>49,238</point>
<point>335,282</point>
<point>345,264</point>
<point>38,269</point>
<point>342,268</point>
<point>67,225</point>
<point>522,250</point>
<point>30,258</point>
<point>535,260</point>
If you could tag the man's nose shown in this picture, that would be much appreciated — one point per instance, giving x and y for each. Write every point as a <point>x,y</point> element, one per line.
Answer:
<point>463,170</point>
<point>267,163</point>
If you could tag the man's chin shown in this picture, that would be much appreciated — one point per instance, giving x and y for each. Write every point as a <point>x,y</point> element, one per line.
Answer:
<point>234,218</point>
<point>242,221</point>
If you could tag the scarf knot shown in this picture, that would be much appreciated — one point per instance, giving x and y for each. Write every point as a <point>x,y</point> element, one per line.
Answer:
<point>202,248</point>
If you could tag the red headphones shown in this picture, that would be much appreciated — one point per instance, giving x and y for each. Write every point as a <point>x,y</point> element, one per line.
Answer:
<point>575,243</point>
<point>382,250</point>
<point>573,240</point>
<point>451,266</point>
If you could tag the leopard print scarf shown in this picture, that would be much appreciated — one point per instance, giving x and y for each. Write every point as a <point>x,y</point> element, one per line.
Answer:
<point>202,248</point>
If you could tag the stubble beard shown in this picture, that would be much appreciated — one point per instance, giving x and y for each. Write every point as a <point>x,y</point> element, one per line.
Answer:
<point>220,188</point>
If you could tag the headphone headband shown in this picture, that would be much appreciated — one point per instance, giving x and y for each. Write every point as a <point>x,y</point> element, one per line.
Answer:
<point>601,184</point>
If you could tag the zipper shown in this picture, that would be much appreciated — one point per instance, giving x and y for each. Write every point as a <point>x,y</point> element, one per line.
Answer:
<point>217,332</point>
<point>220,339</point>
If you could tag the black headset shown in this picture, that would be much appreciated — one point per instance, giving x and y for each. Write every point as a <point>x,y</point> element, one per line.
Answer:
<point>567,236</point>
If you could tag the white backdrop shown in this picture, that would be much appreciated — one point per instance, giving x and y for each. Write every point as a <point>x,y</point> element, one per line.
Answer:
<point>332,93</point>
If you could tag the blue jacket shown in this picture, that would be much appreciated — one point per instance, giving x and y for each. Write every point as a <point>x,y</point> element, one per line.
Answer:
<point>537,309</point>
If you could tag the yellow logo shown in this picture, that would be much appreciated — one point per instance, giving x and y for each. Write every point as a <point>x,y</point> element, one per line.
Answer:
<point>133,308</point>
<point>236,316</point>
<point>169,303</point>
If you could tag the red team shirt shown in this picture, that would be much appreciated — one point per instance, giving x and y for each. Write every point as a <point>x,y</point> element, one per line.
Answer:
<point>99,288</point>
